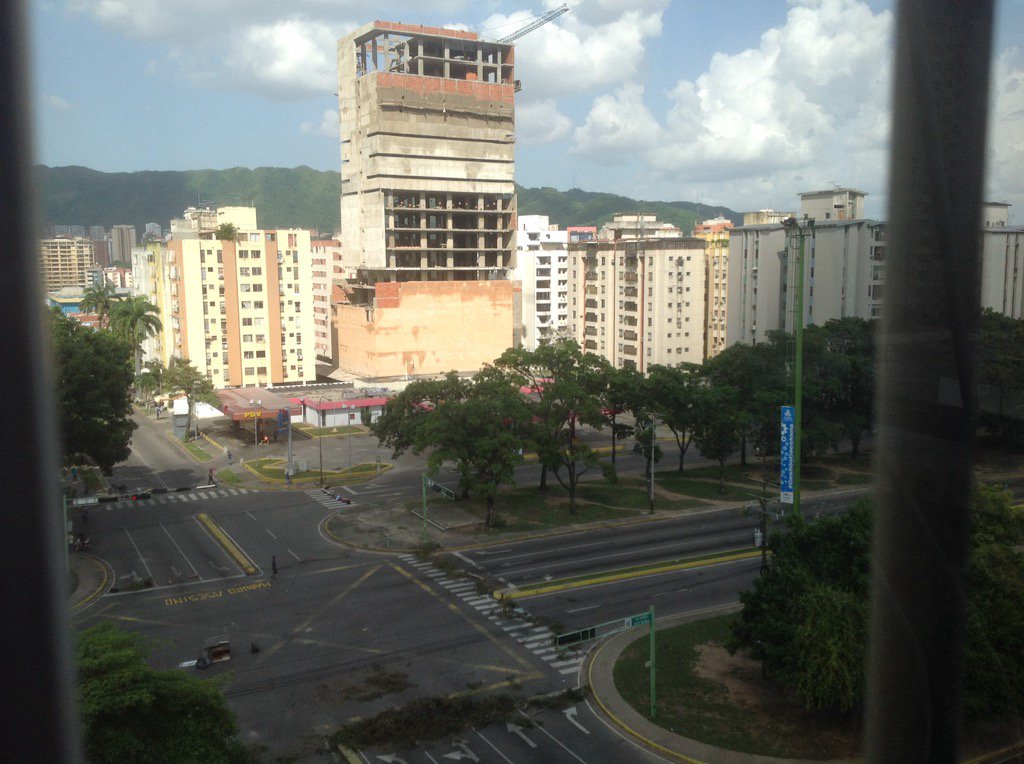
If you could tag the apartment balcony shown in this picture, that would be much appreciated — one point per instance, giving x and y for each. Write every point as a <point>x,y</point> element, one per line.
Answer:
<point>590,304</point>
<point>590,275</point>
<point>590,317</point>
<point>630,306</point>
<point>629,335</point>
<point>629,292</point>
<point>591,290</point>
<point>590,331</point>
<point>629,277</point>
<point>629,349</point>
<point>590,345</point>
<point>628,320</point>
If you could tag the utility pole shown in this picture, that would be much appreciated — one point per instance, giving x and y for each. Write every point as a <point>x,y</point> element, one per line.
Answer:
<point>797,234</point>
<point>320,438</point>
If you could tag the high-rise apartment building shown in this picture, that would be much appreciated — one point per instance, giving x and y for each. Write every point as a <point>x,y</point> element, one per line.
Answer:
<point>639,300</point>
<point>66,261</point>
<point>542,269</point>
<point>716,281</point>
<point>122,239</point>
<point>427,200</point>
<point>242,310</point>
<point>326,256</point>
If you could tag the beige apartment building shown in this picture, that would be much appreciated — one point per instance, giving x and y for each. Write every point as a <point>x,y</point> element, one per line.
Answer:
<point>326,267</point>
<point>427,201</point>
<point>242,311</point>
<point>66,261</point>
<point>716,281</point>
<point>639,301</point>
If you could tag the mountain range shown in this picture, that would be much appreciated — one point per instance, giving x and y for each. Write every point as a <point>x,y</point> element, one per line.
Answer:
<point>298,197</point>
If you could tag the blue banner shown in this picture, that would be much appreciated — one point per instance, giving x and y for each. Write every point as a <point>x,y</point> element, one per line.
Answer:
<point>787,421</point>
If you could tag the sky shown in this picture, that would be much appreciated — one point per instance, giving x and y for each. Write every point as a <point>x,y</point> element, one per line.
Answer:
<point>743,103</point>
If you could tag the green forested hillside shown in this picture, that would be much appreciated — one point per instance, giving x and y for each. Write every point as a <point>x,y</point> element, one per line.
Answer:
<point>289,197</point>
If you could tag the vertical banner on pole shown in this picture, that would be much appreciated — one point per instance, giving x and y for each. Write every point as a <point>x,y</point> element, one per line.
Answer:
<point>786,442</point>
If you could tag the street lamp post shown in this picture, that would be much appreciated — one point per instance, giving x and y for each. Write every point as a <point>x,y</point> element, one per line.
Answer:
<point>320,437</point>
<point>797,233</point>
<point>255,429</point>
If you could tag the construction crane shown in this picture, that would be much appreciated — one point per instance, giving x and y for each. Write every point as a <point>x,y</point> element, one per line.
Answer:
<point>537,22</point>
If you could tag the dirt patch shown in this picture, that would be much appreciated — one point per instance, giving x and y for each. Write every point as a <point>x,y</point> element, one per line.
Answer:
<point>773,716</point>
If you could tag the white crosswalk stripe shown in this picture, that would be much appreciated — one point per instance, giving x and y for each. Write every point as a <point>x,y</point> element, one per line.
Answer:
<point>181,496</point>
<point>539,640</point>
<point>325,499</point>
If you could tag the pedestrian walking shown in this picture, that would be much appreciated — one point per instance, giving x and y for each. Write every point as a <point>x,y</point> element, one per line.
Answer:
<point>211,475</point>
<point>74,474</point>
<point>273,566</point>
<point>85,517</point>
<point>229,458</point>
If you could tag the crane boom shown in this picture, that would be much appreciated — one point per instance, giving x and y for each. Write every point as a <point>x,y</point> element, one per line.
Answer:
<point>537,22</point>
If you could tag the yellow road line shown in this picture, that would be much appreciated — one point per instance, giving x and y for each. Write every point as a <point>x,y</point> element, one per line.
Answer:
<point>536,591</point>
<point>97,592</point>
<point>607,711</point>
<point>229,546</point>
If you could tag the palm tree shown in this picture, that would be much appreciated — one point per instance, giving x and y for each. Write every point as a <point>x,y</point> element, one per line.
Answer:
<point>99,298</point>
<point>134,319</point>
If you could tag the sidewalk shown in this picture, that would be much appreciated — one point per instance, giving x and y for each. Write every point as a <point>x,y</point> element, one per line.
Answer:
<point>90,579</point>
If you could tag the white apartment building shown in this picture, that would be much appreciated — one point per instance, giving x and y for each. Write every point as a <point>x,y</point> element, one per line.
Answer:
<point>844,267</point>
<point>638,301</point>
<point>327,266</point>
<point>242,310</point>
<point>716,281</point>
<point>542,268</point>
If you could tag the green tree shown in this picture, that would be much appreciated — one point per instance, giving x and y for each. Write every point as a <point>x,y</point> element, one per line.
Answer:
<point>566,386</point>
<point>157,371</point>
<point>614,398</point>
<point>182,377</point>
<point>134,319</point>
<point>473,432</point>
<point>718,427</point>
<point>758,375</point>
<point>131,712</point>
<point>402,425</point>
<point>676,392</point>
<point>94,378</point>
<point>805,618</point>
<point>99,298</point>
<point>226,232</point>
<point>1000,371</point>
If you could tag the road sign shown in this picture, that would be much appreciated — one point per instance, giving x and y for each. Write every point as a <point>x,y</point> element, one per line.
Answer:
<point>786,443</point>
<point>643,619</point>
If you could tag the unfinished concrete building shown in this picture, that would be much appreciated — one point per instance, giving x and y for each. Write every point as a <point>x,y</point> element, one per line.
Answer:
<point>427,200</point>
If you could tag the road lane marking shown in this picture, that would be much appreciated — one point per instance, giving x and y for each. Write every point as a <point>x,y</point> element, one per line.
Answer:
<point>559,742</point>
<point>297,558</point>
<point>141,558</point>
<point>271,533</point>
<point>456,609</point>
<point>250,514</point>
<point>506,758</point>
<point>216,594</point>
<point>181,552</point>
<point>581,609</point>
<point>229,546</point>
<point>306,623</point>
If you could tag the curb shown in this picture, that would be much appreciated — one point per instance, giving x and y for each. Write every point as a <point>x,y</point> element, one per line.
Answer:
<point>212,441</point>
<point>99,591</point>
<point>613,576</point>
<point>228,544</point>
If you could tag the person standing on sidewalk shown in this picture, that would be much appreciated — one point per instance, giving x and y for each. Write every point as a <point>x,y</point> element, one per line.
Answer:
<point>273,566</point>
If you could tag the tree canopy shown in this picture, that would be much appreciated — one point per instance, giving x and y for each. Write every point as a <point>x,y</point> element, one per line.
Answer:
<point>94,378</point>
<point>805,618</point>
<point>132,712</point>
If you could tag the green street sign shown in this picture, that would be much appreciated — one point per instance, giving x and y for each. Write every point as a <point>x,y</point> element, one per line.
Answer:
<point>638,620</point>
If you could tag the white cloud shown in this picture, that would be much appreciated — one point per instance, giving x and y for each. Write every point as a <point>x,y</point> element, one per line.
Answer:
<point>56,103</point>
<point>328,126</point>
<point>289,58</point>
<point>540,122</point>
<point>808,106</point>
<point>598,43</point>
<point>618,126</point>
<point>1005,177</point>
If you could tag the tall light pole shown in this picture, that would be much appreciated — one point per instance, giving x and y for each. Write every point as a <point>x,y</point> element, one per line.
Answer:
<point>255,428</point>
<point>320,437</point>
<point>796,234</point>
